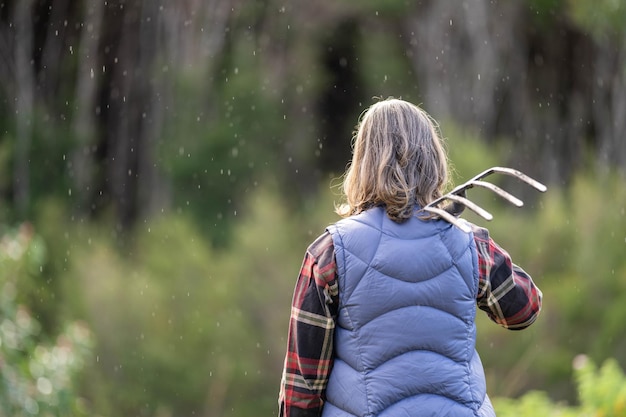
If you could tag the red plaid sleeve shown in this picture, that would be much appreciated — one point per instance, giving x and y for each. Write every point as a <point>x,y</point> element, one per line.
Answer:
<point>505,291</point>
<point>309,357</point>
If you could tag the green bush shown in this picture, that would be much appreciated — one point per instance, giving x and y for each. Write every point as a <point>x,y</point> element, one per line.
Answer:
<point>36,376</point>
<point>184,325</point>
<point>601,392</point>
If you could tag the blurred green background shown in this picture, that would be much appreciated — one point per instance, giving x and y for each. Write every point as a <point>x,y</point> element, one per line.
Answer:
<point>164,165</point>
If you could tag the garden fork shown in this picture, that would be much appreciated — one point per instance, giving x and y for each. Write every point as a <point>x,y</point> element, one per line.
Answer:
<point>459,201</point>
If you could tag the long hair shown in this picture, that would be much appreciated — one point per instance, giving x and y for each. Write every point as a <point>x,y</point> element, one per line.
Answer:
<point>398,161</point>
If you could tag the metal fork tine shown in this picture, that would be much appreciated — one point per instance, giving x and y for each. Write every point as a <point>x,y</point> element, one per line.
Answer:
<point>452,211</point>
<point>471,205</point>
<point>459,190</point>
<point>513,173</point>
<point>511,198</point>
<point>449,218</point>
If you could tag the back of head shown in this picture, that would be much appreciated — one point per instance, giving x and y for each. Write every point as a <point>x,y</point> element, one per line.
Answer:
<point>398,161</point>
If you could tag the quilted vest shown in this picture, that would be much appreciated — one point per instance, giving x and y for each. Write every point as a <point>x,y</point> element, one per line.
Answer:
<point>405,334</point>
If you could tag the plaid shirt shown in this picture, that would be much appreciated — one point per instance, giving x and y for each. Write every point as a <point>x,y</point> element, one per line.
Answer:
<point>505,292</point>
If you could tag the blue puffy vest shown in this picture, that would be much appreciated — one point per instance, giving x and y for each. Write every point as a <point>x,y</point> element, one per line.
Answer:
<point>405,335</point>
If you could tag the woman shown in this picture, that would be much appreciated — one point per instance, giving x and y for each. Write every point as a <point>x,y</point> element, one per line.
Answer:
<point>382,319</point>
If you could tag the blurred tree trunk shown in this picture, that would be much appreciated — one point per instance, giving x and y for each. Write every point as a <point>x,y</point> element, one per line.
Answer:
<point>544,85</point>
<point>150,186</point>
<point>609,95</point>
<point>123,109</point>
<point>88,76</point>
<point>53,48</point>
<point>214,23</point>
<point>156,43</point>
<point>339,103</point>
<point>25,90</point>
<point>174,38</point>
<point>469,59</point>
<point>542,82</point>
<point>7,57</point>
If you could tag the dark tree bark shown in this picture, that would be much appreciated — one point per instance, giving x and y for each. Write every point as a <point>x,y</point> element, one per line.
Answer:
<point>548,88</point>
<point>54,47</point>
<point>125,108</point>
<point>339,103</point>
<point>609,96</point>
<point>25,90</point>
<point>84,121</point>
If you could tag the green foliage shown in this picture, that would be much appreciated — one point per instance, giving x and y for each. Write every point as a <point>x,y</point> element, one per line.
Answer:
<point>49,152</point>
<point>36,377</point>
<point>177,329</point>
<point>393,8</point>
<point>468,154</point>
<point>535,403</point>
<point>216,157</point>
<point>602,393</point>
<point>545,11</point>
<point>601,18</point>
<point>196,327</point>
<point>384,73</point>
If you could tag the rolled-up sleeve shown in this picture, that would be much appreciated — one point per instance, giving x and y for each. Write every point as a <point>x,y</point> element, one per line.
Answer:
<point>506,292</point>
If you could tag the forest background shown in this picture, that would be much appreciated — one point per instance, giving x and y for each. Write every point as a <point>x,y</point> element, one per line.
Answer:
<point>163,166</point>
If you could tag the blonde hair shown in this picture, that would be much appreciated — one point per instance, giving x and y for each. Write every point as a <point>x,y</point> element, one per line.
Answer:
<point>398,161</point>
